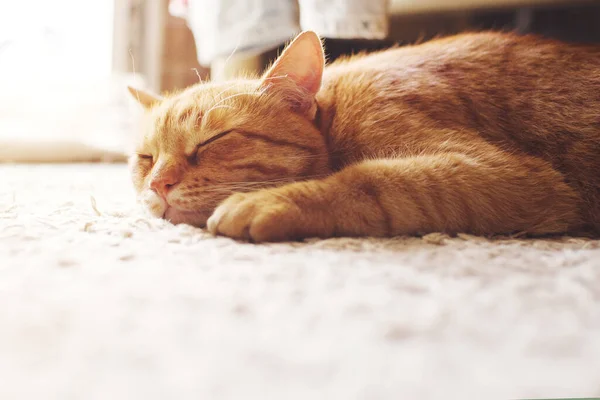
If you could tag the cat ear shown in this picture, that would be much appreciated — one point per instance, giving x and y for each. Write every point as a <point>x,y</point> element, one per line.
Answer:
<point>297,73</point>
<point>146,99</point>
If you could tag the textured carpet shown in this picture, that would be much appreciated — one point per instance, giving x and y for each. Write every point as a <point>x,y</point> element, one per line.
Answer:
<point>98,301</point>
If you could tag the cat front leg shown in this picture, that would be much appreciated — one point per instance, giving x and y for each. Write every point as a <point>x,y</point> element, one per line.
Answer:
<point>449,192</point>
<point>289,212</point>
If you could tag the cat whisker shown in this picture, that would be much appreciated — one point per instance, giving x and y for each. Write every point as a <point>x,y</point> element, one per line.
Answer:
<point>216,108</point>
<point>288,179</point>
<point>298,157</point>
<point>276,77</point>
<point>232,53</point>
<point>236,95</point>
<point>256,183</point>
<point>134,74</point>
<point>231,97</point>
<point>228,87</point>
<point>234,84</point>
<point>228,186</point>
<point>197,74</point>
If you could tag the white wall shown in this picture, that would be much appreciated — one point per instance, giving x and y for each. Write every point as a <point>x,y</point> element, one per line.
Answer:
<point>58,97</point>
<point>55,38</point>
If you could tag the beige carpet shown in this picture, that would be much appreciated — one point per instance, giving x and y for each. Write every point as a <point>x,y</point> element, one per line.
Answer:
<point>98,301</point>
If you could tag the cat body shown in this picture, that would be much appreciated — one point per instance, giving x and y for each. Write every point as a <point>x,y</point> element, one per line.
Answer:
<point>483,133</point>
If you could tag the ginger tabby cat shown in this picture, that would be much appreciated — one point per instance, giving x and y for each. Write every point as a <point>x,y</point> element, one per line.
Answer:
<point>484,133</point>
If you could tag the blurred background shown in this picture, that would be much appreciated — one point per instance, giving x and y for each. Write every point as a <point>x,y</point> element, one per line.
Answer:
<point>64,64</point>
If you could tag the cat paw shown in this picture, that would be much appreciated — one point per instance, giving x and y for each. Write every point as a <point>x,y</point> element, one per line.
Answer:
<point>262,216</point>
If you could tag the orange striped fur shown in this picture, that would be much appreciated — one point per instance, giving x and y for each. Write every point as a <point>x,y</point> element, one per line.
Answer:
<point>485,133</point>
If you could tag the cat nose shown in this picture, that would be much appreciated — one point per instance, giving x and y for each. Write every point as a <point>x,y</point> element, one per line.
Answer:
<point>164,182</point>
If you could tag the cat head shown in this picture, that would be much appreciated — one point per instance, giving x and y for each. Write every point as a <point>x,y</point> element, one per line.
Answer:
<point>202,144</point>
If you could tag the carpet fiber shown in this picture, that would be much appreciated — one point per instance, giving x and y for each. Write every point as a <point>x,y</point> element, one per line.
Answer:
<point>98,301</point>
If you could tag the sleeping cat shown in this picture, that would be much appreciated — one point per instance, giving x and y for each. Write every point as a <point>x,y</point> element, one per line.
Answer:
<point>484,133</point>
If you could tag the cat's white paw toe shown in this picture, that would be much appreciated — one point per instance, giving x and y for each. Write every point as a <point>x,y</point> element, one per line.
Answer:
<point>258,216</point>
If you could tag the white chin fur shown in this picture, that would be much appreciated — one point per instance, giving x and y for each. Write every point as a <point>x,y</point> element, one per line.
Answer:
<point>153,203</point>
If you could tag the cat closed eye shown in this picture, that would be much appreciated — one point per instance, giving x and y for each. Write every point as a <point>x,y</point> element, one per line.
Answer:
<point>212,139</point>
<point>146,157</point>
<point>193,158</point>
